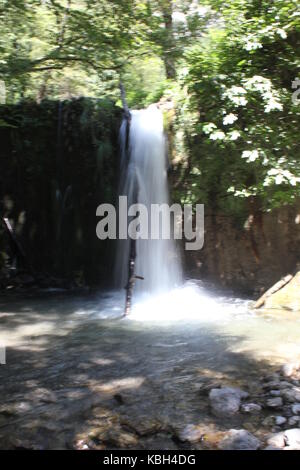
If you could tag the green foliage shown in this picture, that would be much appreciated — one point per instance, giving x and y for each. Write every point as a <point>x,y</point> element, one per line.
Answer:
<point>145,80</point>
<point>64,48</point>
<point>242,137</point>
<point>69,48</point>
<point>228,65</point>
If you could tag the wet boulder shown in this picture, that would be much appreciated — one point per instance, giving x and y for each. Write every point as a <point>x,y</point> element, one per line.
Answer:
<point>239,439</point>
<point>226,401</point>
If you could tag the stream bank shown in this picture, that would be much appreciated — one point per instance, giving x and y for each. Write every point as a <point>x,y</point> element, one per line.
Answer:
<point>250,254</point>
<point>87,379</point>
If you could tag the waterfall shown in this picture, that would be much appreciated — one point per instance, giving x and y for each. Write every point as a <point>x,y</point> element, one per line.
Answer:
<point>157,261</point>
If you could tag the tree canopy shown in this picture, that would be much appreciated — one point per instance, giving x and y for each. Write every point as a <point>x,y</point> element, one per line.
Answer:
<point>229,66</point>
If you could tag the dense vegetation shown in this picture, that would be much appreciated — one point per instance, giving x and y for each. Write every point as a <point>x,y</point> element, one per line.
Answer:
<point>243,120</point>
<point>229,67</point>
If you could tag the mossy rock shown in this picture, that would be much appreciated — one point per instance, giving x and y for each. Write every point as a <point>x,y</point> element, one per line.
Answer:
<point>287,298</point>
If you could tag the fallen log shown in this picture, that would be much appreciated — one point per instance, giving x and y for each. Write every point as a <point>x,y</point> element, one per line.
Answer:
<point>124,102</point>
<point>276,287</point>
<point>132,277</point>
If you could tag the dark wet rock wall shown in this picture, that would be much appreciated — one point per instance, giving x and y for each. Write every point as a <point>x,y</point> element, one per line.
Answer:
<point>58,162</point>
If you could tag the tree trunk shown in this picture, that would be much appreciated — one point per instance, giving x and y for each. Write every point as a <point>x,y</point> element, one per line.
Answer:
<point>169,46</point>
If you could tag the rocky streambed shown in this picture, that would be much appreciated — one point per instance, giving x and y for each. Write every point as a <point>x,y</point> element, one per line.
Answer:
<point>78,377</point>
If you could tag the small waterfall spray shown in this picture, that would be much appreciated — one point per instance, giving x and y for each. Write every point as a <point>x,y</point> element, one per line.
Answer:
<point>144,180</point>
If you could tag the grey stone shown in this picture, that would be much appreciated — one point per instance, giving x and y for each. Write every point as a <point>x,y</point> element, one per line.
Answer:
<point>275,393</point>
<point>268,421</point>
<point>288,396</point>
<point>239,439</point>
<point>274,402</point>
<point>294,420</point>
<point>284,384</point>
<point>251,408</point>
<point>226,401</point>
<point>296,409</point>
<point>291,395</point>
<point>191,433</point>
<point>272,377</point>
<point>287,411</point>
<point>274,384</point>
<point>280,420</point>
<point>296,392</point>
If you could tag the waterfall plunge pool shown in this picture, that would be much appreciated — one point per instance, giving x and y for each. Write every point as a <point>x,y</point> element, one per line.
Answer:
<point>191,312</point>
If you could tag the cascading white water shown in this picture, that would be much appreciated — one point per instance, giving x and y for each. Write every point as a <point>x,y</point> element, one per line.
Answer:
<point>157,261</point>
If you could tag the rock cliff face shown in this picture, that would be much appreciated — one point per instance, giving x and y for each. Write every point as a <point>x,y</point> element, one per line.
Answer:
<point>59,161</point>
<point>251,255</point>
